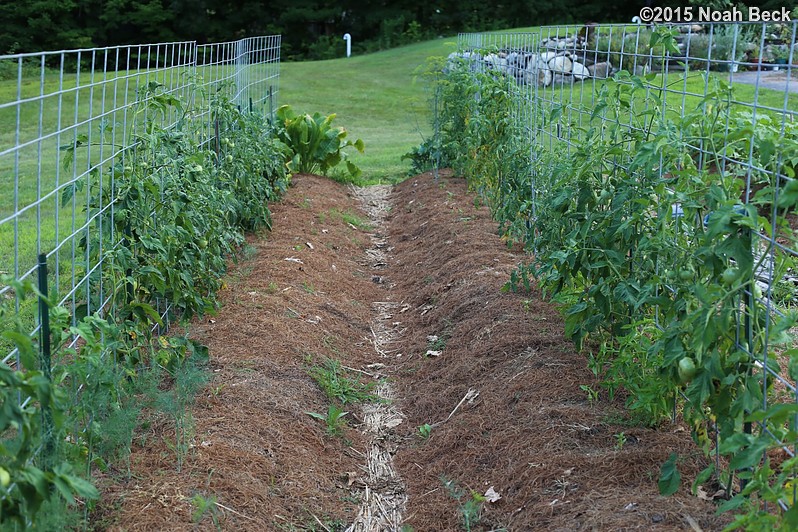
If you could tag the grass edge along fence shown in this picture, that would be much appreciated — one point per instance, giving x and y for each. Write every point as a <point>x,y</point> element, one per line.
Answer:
<point>141,170</point>
<point>657,198</point>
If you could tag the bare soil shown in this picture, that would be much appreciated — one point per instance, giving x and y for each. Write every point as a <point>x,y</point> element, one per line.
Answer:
<point>501,390</point>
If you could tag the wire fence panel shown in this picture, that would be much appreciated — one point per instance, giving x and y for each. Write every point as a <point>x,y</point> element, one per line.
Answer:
<point>89,98</point>
<point>251,64</point>
<point>726,93</point>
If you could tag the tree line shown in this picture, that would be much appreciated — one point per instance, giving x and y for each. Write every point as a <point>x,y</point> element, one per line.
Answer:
<point>311,29</point>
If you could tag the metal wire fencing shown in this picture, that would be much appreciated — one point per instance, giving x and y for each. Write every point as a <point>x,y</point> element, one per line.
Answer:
<point>89,98</point>
<point>727,94</point>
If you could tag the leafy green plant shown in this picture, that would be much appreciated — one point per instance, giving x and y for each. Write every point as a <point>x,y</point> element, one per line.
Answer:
<point>35,467</point>
<point>424,431</point>
<point>469,504</point>
<point>334,419</point>
<point>315,145</point>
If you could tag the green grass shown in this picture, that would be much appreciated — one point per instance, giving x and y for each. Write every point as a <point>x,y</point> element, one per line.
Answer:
<point>338,384</point>
<point>374,97</point>
<point>346,216</point>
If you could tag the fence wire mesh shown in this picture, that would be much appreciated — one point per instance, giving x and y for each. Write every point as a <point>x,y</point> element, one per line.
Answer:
<point>558,77</point>
<point>51,220</point>
<point>89,97</point>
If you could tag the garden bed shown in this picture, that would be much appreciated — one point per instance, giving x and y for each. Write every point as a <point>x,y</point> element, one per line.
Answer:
<point>508,402</point>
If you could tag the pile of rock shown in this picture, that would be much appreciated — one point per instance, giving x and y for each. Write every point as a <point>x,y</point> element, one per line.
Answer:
<point>557,67</point>
<point>544,68</point>
<point>570,57</point>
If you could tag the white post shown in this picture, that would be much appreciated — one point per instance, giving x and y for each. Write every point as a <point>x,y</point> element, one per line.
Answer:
<point>348,39</point>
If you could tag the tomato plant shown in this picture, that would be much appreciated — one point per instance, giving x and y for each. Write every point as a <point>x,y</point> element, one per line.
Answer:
<point>168,213</point>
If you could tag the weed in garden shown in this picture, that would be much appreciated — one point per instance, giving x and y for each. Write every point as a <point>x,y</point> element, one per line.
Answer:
<point>424,431</point>
<point>437,342</point>
<point>248,252</point>
<point>272,288</point>
<point>592,395</point>
<point>334,419</point>
<point>338,385</point>
<point>351,498</point>
<point>236,276</point>
<point>629,418</point>
<point>469,504</point>
<point>308,287</point>
<point>620,440</point>
<point>205,506</point>
<point>351,218</point>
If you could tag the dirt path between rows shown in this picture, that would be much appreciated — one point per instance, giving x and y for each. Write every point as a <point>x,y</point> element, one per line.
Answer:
<point>487,427</point>
<point>383,495</point>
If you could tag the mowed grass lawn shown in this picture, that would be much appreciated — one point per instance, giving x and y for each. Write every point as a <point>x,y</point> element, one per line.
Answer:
<point>374,97</point>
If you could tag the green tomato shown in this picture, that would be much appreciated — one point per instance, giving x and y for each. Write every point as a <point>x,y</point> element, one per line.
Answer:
<point>229,158</point>
<point>729,275</point>
<point>686,370</point>
<point>685,275</point>
<point>202,243</point>
<point>757,291</point>
<point>5,477</point>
